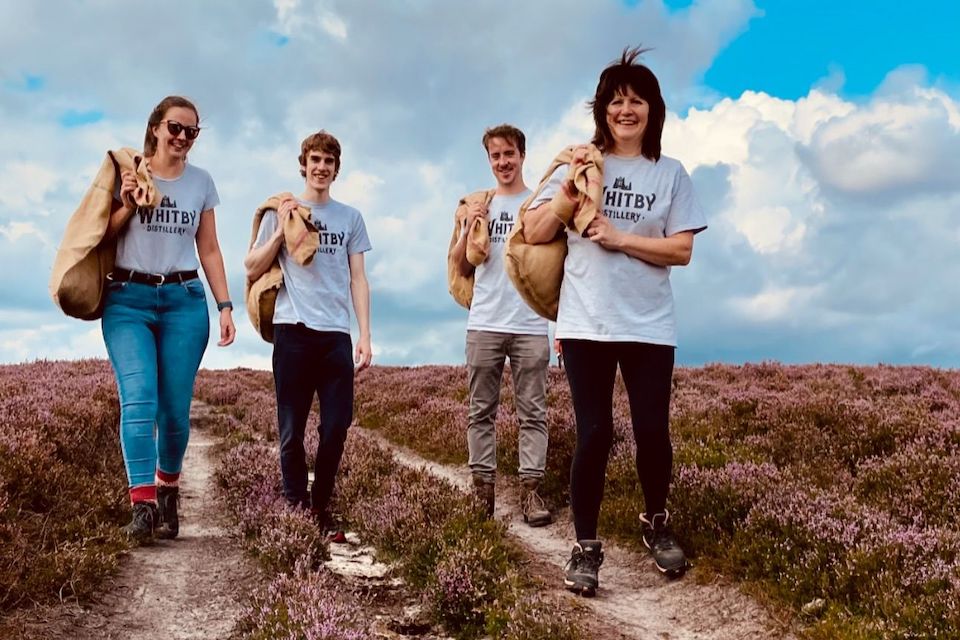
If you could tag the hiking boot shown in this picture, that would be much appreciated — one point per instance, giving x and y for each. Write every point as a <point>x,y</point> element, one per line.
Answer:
<point>168,500</point>
<point>330,526</point>
<point>142,524</point>
<point>667,554</point>
<point>582,568</point>
<point>534,509</point>
<point>485,490</point>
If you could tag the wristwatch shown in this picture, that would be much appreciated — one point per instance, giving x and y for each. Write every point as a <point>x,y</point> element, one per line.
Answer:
<point>226,304</point>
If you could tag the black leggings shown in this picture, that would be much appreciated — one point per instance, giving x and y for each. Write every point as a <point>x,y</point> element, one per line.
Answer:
<point>647,371</point>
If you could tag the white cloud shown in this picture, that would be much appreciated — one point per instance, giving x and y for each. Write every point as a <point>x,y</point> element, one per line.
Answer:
<point>825,213</point>
<point>24,185</point>
<point>16,230</point>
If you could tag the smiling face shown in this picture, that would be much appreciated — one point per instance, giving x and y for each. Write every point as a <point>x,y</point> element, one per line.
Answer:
<point>506,161</point>
<point>320,169</point>
<point>169,145</point>
<point>627,115</point>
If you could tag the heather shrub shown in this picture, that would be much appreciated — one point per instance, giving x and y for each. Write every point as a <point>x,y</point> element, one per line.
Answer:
<point>819,481</point>
<point>443,543</point>
<point>529,616</point>
<point>62,483</point>
<point>248,477</point>
<point>302,605</point>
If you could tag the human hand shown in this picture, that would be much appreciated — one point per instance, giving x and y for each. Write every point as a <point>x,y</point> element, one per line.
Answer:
<point>363,354</point>
<point>128,186</point>
<point>285,213</point>
<point>475,211</point>
<point>227,329</point>
<point>602,231</point>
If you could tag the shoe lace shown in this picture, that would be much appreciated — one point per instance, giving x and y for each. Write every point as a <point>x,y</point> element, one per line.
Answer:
<point>592,561</point>
<point>663,539</point>
<point>533,501</point>
<point>143,514</point>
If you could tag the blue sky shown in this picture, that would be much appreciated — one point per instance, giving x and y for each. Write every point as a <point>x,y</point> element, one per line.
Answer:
<point>821,137</point>
<point>791,45</point>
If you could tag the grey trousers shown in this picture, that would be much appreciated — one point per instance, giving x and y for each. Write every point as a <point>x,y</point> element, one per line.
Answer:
<point>529,358</point>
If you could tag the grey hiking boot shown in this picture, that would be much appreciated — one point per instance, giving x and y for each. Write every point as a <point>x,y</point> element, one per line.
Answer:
<point>583,568</point>
<point>168,501</point>
<point>141,526</point>
<point>657,537</point>
<point>485,491</point>
<point>534,509</point>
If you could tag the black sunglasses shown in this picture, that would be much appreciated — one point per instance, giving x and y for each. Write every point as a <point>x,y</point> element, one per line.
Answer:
<point>175,128</point>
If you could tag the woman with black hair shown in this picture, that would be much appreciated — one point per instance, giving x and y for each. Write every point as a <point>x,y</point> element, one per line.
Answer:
<point>616,304</point>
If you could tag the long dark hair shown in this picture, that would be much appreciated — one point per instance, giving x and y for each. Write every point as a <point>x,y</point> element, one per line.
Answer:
<point>156,116</point>
<point>621,74</point>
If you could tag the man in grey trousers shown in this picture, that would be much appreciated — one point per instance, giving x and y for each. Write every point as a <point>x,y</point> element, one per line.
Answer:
<point>501,326</point>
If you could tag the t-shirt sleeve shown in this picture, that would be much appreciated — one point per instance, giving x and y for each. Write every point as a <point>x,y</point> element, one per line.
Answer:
<point>212,198</point>
<point>685,214</point>
<point>359,240</point>
<point>268,225</point>
<point>551,188</point>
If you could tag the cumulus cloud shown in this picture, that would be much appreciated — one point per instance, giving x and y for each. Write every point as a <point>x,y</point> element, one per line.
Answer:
<point>832,222</point>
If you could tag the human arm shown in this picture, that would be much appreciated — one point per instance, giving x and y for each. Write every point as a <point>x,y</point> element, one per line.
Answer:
<point>262,255</point>
<point>556,204</point>
<point>123,209</point>
<point>360,293</point>
<point>673,250</point>
<point>475,211</point>
<point>211,259</point>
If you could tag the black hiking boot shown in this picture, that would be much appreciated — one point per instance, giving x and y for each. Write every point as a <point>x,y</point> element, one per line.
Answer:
<point>485,490</point>
<point>168,501</point>
<point>534,509</point>
<point>583,567</point>
<point>667,554</point>
<point>141,526</point>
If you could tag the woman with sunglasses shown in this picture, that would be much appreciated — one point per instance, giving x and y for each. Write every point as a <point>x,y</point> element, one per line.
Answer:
<point>616,305</point>
<point>155,319</point>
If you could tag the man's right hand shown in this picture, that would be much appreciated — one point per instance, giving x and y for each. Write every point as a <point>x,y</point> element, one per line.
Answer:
<point>284,213</point>
<point>475,211</point>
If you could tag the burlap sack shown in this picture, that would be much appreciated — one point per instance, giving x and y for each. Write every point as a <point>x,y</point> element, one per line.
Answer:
<point>77,282</point>
<point>478,247</point>
<point>301,241</point>
<point>536,270</point>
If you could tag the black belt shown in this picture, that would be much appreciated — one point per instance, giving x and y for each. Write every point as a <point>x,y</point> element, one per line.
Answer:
<point>156,279</point>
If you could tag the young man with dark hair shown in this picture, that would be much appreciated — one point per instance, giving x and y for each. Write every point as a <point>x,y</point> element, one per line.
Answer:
<point>311,324</point>
<point>501,326</point>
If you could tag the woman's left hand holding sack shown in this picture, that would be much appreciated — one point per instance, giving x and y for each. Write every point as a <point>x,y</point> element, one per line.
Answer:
<point>602,231</point>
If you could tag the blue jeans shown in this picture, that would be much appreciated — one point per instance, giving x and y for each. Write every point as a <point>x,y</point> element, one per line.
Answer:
<point>155,337</point>
<point>308,363</point>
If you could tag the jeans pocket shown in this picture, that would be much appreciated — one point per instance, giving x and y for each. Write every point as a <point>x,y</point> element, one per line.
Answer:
<point>113,285</point>
<point>195,289</point>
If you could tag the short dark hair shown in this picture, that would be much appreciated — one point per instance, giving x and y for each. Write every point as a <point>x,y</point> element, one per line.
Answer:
<point>621,74</point>
<point>319,141</point>
<point>156,117</point>
<point>507,132</point>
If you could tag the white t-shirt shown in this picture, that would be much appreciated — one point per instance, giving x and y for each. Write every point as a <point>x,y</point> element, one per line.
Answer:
<point>610,296</point>
<point>163,239</point>
<point>318,295</point>
<point>496,304</point>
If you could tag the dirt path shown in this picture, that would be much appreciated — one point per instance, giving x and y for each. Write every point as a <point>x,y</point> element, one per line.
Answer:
<point>633,597</point>
<point>181,589</point>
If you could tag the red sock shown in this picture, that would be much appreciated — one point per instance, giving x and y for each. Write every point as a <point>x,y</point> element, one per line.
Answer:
<point>166,479</point>
<point>146,493</point>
